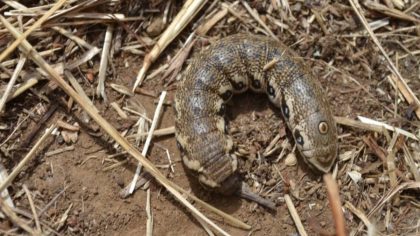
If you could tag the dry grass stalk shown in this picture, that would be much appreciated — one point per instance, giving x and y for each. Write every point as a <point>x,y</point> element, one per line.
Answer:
<point>335,204</point>
<point>149,224</point>
<point>255,15</point>
<point>388,127</point>
<point>357,8</point>
<point>295,215</point>
<point>390,159</point>
<point>119,111</point>
<point>12,81</point>
<point>157,133</point>
<point>179,59</point>
<point>389,11</point>
<point>59,150</point>
<point>409,160</point>
<point>78,88</point>
<point>184,16</point>
<point>156,117</point>
<point>405,93</point>
<point>170,186</point>
<point>103,65</point>
<point>73,37</point>
<point>381,153</point>
<point>5,193</point>
<point>16,219</point>
<point>359,214</point>
<point>32,205</point>
<point>204,28</point>
<point>36,25</point>
<point>12,62</point>
<point>357,124</point>
<point>23,88</point>
<point>25,160</point>
<point>88,55</point>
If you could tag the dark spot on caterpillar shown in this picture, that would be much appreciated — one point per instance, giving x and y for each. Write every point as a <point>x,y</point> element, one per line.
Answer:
<point>256,84</point>
<point>238,86</point>
<point>226,127</point>
<point>298,137</point>
<point>181,149</point>
<point>226,95</point>
<point>271,91</point>
<point>222,110</point>
<point>285,108</point>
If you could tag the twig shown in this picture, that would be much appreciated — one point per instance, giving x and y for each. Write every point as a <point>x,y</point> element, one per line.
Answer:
<point>29,83</point>
<point>334,199</point>
<point>390,12</point>
<point>255,15</point>
<point>100,90</point>
<point>59,150</point>
<point>359,214</point>
<point>15,219</point>
<point>149,225</point>
<point>157,133</point>
<point>382,155</point>
<point>25,160</point>
<point>35,215</point>
<point>356,6</point>
<point>12,81</point>
<point>295,215</point>
<point>36,25</point>
<point>187,13</point>
<point>388,127</point>
<point>357,124</point>
<point>149,138</point>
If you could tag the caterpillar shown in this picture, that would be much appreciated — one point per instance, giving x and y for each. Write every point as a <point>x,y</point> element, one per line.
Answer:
<point>233,65</point>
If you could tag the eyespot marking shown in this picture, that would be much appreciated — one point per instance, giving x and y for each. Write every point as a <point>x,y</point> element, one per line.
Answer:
<point>271,91</point>
<point>256,84</point>
<point>222,109</point>
<point>298,137</point>
<point>226,95</point>
<point>323,127</point>
<point>178,144</point>
<point>238,86</point>
<point>285,109</point>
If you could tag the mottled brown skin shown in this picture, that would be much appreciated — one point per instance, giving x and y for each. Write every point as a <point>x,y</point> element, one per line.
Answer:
<point>233,65</point>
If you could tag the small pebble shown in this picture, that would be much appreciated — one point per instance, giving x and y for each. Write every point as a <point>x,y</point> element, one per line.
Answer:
<point>290,159</point>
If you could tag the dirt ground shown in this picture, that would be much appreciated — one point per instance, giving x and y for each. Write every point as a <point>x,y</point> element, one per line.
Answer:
<point>77,192</point>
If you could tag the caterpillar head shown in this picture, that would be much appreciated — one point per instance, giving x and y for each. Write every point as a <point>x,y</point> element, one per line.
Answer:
<point>316,139</point>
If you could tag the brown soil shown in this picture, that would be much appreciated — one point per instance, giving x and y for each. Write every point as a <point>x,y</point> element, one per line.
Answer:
<point>75,180</point>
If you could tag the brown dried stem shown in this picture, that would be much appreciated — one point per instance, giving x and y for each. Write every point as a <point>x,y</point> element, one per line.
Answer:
<point>334,200</point>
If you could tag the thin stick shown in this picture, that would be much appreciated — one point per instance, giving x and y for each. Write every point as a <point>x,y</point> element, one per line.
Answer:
<point>157,133</point>
<point>15,219</point>
<point>148,139</point>
<point>31,203</point>
<point>187,13</point>
<point>356,7</point>
<point>112,132</point>
<point>36,25</point>
<point>334,199</point>
<point>22,88</point>
<point>12,81</point>
<point>25,160</point>
<point>255,15</point>
<point>295,215</point>
<point>359,214</point>
<point>149,224</point>
<point>357,124</point>
<point>103,65</point>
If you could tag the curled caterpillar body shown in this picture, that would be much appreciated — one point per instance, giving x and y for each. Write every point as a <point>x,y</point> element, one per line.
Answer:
<point>234,65</point>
